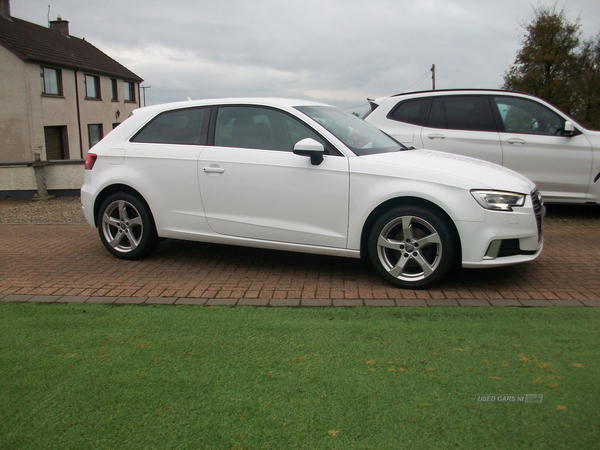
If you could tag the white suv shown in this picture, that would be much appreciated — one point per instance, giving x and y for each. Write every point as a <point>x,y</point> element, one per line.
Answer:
<point>302,176</point>
<point>516,130</point>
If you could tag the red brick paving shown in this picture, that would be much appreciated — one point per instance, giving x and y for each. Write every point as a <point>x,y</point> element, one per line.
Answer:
<point>68,263</point>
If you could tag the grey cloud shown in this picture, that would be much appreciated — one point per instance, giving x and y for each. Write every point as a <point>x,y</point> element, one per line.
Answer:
<point>340,51</point>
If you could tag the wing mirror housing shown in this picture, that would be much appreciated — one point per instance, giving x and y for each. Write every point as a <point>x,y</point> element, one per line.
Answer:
<point>310,147</point>
<point>568,129</point>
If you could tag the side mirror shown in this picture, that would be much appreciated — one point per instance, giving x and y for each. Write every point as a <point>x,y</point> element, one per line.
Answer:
<point>312,148</point>
<point>568,129</point>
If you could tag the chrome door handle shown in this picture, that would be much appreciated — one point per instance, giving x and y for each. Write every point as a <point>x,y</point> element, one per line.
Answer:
<point>516,141</point>
<point>213,169</point>
<point>436,136</point>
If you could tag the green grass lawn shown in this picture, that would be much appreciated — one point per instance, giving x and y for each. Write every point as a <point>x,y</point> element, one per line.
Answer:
<point>89,376</point>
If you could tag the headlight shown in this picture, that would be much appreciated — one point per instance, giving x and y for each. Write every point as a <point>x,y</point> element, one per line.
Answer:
<point>498,200</point>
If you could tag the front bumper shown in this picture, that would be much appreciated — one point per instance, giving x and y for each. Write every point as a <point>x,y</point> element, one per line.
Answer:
<point>507,237</point>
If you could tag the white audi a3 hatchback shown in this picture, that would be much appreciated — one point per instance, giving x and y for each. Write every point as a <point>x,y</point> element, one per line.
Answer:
<point>302,176</point>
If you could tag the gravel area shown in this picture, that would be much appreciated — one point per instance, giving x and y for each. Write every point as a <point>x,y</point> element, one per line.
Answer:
<point>55,210</point>
<point>68,210</point>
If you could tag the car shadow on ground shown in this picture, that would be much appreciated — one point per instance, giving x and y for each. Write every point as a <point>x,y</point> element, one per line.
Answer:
<point>262,264</point>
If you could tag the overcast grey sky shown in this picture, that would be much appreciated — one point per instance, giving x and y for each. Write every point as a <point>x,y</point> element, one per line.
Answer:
<point>335,51</point>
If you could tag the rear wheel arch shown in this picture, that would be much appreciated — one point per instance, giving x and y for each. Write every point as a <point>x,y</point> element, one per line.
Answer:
<point>112,189</point>
<point>126,226</point>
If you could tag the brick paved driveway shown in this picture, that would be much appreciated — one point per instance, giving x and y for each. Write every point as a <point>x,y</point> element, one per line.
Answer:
<point>68,263</point>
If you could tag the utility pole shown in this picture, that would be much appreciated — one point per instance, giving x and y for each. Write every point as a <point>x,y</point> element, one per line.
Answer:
<point>143,88</point>
<point>433,77</point>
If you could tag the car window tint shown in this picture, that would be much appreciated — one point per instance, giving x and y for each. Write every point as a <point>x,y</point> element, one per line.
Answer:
<point>437,115</point>
<point>410,111</point>
<point>259,128</point>
<point>525,116</point>
<point>180,126</point>
<point>464,112</point>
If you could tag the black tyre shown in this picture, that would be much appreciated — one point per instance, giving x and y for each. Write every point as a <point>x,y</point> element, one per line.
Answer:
<point>413,247</point>
<point>126,227</point>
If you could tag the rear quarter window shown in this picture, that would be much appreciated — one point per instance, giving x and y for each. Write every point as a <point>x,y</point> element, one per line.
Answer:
<point>410,111</point>
<point>181,126</point>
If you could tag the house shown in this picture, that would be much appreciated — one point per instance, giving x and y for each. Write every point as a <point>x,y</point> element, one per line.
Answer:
<point>59,96</point>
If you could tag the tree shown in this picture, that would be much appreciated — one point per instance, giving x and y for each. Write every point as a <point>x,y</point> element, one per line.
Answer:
<point>555,65</point>
<point>588,84</point>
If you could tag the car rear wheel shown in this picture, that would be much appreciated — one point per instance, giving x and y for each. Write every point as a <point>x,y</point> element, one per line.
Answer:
<point>126,227</point>
<point>413,247</point>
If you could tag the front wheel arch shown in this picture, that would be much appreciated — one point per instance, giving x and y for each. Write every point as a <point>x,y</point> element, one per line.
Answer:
<point>445,221</point>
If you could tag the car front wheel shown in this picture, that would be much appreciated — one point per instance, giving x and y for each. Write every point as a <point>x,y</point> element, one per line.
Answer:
<point>413,247</point>
<point>126,227</point>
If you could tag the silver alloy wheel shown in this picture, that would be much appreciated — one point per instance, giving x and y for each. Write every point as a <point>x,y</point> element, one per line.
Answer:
<point>122,226</point>
<point>409,248</point>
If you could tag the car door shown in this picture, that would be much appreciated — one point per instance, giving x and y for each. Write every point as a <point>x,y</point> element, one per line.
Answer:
<point>462,124</point>
<point>534,145</point>
<point>253,185</point>
<point>165,153</point>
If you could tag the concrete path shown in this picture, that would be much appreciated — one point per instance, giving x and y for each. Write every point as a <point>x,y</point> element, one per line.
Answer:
<point>67,263</point>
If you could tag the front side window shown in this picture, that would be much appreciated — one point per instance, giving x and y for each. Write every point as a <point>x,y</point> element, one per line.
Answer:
<point>129,91</point>
<point>461,112</point>
<point>180,126</point>
<point>410,111</point>
<point>92,86</point>
<point>520,115</point>
<point>260,128</point>
<point>359,136</point>
<point>95,133</point>
<point>51,81</point>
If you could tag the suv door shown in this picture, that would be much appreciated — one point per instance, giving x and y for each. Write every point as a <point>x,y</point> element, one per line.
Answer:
<point>533,144</point>
<point>462,124</point>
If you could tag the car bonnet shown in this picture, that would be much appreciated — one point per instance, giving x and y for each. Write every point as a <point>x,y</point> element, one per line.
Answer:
<point>451,169</point>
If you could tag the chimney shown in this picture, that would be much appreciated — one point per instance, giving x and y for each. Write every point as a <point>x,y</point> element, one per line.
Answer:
<point>59,25</point>
<point>5,8</point>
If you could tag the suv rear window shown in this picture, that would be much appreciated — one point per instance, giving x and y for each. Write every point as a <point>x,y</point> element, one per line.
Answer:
<point>410,111</point>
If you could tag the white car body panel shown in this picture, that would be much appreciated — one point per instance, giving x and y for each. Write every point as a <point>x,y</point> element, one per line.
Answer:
<point>560,164</point>
<point>278,196</point>
<point>476,144</point>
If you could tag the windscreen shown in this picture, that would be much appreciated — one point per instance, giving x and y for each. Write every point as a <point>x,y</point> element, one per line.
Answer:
<point>359,136</point>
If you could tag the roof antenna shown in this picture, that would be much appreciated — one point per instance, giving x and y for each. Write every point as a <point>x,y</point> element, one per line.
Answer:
<point>48,16</point>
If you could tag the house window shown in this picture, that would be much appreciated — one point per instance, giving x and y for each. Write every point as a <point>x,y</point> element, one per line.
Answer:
<point>51,81</point>
<point>95,133</point>
<point>113,85</point>
<point>92,86</point>
<point>129,89</point>
<point>56,143</point>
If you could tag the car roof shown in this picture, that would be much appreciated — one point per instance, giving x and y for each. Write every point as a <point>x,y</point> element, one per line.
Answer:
<point>275,102</point>
<point>430,93</point>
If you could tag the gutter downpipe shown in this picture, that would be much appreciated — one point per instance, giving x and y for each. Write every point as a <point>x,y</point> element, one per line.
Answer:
<point>78,115</point>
